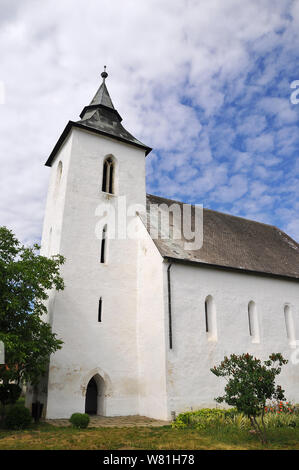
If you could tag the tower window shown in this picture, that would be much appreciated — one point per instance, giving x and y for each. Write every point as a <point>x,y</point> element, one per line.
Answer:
<point>58,177</point>
<point>59,171</point>
<point>104,245</point>
<point>108,176</point>
<point>100,310</point>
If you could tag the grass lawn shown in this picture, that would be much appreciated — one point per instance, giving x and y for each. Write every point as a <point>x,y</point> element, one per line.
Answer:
<point>45,436</point>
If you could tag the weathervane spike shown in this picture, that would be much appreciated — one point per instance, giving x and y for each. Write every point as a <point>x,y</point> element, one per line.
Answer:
<point>104,74</point>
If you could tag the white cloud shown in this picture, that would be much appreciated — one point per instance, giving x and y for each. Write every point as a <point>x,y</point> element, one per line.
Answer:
<point>260,144</point>
<point>281,108</point>
<point>252,125</point>
<point>174,69</point>
<point>235,189</point>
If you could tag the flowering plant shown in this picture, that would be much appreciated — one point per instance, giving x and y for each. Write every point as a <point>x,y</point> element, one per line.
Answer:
<point>250,385</point>
<point>278,407</point>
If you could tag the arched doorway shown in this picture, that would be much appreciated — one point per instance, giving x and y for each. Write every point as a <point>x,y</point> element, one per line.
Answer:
<point>95,395</point>
<point>91,400</point>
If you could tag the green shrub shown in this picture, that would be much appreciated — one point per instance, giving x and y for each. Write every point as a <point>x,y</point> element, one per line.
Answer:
<point>238,421</point>
<point>283,419</point>
<point>203,417</point>
<point>79,420</point>
<point>9,393</point>
<point>21,401</point>
<point>18,417</point>
<point>230,418</point>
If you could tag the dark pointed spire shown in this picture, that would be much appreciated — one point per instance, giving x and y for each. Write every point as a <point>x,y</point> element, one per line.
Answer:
<point>102,95</point>
<point>101,116</point>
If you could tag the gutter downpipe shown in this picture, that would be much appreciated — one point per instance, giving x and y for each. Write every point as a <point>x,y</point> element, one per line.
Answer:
<point>169,306</point>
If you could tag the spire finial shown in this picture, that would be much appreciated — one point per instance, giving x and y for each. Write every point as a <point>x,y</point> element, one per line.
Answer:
<point>104,74</point>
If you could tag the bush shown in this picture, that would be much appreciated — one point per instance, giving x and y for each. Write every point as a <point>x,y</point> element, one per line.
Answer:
<point>203,417</point>
<point>250,384</point>
<point>280,420</point>
<point>21,401</point>
<point>18,417</point>
<point>9,393</point>
<point>207,418</point>
<point>79,420</point>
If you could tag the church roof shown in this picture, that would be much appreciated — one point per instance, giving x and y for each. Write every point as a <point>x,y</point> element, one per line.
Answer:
<point>100,117</point>
<point>102,95</point>
<point>231,242</point>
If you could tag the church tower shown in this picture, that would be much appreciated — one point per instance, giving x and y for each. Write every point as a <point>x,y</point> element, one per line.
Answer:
<point>95,163</point>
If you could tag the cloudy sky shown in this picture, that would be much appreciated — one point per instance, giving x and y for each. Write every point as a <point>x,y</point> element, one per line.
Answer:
<point>206,83</point>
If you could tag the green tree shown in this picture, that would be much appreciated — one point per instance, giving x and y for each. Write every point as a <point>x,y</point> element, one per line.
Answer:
<point>25,280</point>
<point>250,383</point>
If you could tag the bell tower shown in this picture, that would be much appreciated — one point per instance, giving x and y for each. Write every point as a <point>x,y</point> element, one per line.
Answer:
<point>94,163</point>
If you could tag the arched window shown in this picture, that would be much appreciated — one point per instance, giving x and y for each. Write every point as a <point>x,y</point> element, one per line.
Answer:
<point>210,318</point>
<point>108,176</point>
<point>290,327</point>
<point>104,245</point>
<point>58,178</point>
<point>59,173</point>
<point>253,323</point>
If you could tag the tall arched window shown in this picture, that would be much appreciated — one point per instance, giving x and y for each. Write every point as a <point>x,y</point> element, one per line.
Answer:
<point>58,177</point>
<point>108,176</point>
<point>253,323</point>
<point>59,171</point>
<point>210,318</point>
<point>290,327</point>
<point>104,245</point>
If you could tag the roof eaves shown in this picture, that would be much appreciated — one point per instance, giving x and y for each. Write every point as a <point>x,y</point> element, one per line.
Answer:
<point>59,143</point>
<point>71,124</point>
<point>230,268</point>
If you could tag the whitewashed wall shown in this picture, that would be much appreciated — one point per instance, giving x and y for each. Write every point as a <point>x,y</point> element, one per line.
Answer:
<point>151,330</point>
<point>129,349</point>
<point>190,382</point>
<point>108,348</point>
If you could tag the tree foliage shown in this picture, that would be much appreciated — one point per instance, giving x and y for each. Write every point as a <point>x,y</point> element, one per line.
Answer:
<point>250,384</point>
<point>25,280</point>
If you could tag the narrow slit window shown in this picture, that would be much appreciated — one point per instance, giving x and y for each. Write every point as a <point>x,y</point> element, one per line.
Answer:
<point>111,178</point>
<point>249,322</point>
<point>105,171</point>
<point>100,310</point>
<point>108,176</point>
<point>206,316</point>
<point>290,327</point>
<point>210,319</point>
<point>253,323</point>
<point>58,178</point>
<point>59,171</point>
<point>104,245</point>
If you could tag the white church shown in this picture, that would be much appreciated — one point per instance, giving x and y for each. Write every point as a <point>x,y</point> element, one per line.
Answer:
<point>143,319</point>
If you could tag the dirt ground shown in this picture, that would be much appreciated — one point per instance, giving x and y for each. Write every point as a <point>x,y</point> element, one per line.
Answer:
<point>115,421</point>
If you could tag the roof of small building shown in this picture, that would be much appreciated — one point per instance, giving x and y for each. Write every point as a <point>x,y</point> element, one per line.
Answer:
<point>230,242</point>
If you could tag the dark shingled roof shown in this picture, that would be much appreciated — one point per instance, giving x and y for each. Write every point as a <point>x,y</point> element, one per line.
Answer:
<point>234,243</point>
<point>102,97</point>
